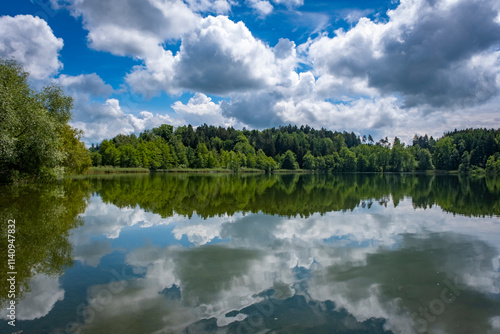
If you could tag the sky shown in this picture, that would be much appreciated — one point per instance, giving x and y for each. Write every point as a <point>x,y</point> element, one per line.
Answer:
<point>379,67</point>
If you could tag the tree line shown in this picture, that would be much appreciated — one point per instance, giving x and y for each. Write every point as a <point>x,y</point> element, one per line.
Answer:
<point>291,148</point>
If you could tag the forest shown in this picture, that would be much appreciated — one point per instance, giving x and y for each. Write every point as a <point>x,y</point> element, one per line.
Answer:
<point>293,148</point>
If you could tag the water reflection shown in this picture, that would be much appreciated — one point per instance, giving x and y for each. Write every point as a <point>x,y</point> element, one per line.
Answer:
<point>266,275</point>
<point>44,216</point>
<point>284,254</point>
<point>293,194</point>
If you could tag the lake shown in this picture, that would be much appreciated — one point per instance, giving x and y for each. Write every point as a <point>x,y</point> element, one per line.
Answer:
<point>222,253</point>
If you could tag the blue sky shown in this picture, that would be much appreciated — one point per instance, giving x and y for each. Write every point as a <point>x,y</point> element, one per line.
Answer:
<point>385,68</point>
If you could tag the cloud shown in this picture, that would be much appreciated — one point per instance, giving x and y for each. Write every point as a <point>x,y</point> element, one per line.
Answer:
<point>31,42</point>
<point>289,3</point>
<point>427,51</point>
<point>222,56</point>
<point>108,220</point>
<point>201,109</point>
<point>135,27</point>
<point>352,16</point>
<point>45,292</point>
<point>263,8</point>
<point>91,254</point>
<point>218,57</point>
<point>88,84</point>
<point>210,6</point>
<point>253,108</point>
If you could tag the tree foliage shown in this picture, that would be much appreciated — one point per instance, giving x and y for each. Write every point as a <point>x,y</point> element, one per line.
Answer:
<point>35,140</point>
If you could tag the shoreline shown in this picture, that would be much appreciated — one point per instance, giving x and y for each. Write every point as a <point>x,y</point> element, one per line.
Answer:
<point>128,170</point>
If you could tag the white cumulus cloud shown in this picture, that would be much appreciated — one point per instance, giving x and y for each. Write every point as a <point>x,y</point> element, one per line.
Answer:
<point>218,57</point>
<point>135,27</point>
<point>201,109</point>
<point>426,52</point>
<point>30,41</point>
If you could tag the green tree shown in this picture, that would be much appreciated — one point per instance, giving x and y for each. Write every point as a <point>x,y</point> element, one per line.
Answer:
<point>96,158</point>
<point>251,161</point>
<point>178,151</point>
<point>212,160</point>
<point>308,161</point>
<point>210,146</point>
<point>320,164</point>
<point>339,142</point>
<point>35,138</point>
<point>363,163</point>
<point>262,161</point>
<point>167,158</point>
<point>349,160</point>
<point>191,157</point>
<point>234,162</point>
<point>110,154</point>
<point>77,158</point>
<point>373,163</point>
<point>217,143</point>
<point>396,159</point>
<point>128,156</point>
<point>332,162</point>
<point>201,158</point>
<point>34,130</point>
<point>243,146</point>
<point>143,154</point>
<point>164,131</point>
<point>224,158</point>
<point>465,166</point>
<point>493,165</point>
<point>289,161</point>
<point>425,160</point>
<point>154,156</point>
<point>445,154</point>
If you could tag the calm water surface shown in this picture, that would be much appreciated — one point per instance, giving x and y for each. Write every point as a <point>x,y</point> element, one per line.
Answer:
<point>165,253</point>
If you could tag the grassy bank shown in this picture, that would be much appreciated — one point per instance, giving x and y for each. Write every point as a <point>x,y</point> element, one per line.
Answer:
<point>115,170</point>
<point>209,170</point>
<point>295,171</point>
<point>111,169</point>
